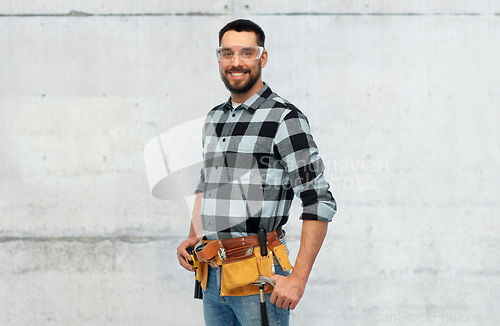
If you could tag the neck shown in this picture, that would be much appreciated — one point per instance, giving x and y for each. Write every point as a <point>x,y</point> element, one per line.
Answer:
<point>241,98</point>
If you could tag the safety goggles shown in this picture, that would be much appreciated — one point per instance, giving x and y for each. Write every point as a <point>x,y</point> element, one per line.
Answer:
<point>246,52</point>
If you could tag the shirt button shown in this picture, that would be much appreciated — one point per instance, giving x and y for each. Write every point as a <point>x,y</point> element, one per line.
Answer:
<point>223,139</point>
<point>234,115</point>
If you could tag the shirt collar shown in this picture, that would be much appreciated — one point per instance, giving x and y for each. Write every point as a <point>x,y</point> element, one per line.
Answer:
<point>254,101</point>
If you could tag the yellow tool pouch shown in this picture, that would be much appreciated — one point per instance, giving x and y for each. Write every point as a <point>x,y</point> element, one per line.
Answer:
<point>202,274</point>
<point>282,256</point>
<point>239,274</point>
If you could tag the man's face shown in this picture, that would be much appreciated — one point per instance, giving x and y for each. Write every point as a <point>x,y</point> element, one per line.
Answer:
<point>239,77</point>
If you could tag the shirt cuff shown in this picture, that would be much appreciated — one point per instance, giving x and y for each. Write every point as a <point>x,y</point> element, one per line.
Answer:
<point>320,211</point>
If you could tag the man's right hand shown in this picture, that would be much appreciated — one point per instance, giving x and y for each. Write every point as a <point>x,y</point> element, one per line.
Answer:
<point>182,254</point>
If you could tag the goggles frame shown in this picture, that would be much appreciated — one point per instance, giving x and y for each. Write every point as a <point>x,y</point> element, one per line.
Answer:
<point>218,52</point>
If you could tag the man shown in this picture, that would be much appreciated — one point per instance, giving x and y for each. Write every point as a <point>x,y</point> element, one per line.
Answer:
<point>258,152</point>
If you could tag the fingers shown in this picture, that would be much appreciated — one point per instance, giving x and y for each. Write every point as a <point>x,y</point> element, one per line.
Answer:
<point>182,254</point>
<point>285,302</point>
<point>285,295</point>
<point>282,302</point>
<point>182,259</point>
<point>277,297</point>
<point>184,264</point>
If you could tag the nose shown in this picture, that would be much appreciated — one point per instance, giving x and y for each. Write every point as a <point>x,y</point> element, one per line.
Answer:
<point>237,60</point>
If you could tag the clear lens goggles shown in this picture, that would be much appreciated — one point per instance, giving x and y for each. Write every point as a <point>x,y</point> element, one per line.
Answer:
<point>246,52</point>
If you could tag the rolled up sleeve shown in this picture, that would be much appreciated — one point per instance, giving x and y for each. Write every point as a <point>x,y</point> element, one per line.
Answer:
<point>296,148</point>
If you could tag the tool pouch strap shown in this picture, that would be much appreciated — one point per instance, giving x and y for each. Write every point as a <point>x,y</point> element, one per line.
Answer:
<point>211,249</point>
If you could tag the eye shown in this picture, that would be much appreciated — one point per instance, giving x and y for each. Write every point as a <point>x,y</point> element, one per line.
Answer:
<point>248,52</point>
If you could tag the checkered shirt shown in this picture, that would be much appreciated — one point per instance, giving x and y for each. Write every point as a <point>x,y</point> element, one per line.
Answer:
<point>255,159</point>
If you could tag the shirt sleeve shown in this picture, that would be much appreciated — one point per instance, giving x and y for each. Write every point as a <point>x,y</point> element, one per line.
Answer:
<point>201,182</point>
<point>295,147</point>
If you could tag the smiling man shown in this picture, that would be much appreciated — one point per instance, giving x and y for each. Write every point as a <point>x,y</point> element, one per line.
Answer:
<point>258,154</point>
<point>239,70</point>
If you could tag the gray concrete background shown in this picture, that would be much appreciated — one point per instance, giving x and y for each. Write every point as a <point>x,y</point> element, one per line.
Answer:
<point>403,101</point>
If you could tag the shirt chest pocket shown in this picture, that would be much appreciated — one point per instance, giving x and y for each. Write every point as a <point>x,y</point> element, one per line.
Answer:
<point>253,144</point>
<point>245,156</point>
<point>247,146</point>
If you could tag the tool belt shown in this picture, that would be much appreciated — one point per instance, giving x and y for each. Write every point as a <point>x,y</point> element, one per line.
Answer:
<point>240,261</point>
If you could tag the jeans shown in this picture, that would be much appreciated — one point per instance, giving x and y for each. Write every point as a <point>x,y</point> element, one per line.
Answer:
<point>239,311</point>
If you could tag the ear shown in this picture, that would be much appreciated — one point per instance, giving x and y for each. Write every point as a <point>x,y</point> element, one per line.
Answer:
<point>263,59</point>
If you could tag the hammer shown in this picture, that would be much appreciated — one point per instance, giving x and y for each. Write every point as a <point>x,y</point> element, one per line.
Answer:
<point>263,280</point>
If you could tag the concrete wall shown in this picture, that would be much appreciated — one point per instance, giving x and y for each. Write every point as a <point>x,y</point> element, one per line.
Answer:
<point>403,101</point>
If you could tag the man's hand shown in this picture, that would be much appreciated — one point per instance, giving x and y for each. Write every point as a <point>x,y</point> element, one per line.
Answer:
<point>288,291</point>
<point>182,254</point>
<point>195,232</point>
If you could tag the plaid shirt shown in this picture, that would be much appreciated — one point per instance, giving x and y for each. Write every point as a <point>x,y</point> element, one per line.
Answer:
<point>255,158</point>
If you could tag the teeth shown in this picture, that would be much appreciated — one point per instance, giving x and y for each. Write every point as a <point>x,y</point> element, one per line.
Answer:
<point>237,74</point>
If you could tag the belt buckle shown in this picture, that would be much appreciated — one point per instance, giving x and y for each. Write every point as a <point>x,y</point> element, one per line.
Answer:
<point>222,253</point>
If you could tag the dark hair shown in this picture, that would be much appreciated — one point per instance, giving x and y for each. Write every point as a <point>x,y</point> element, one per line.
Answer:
<point>244,25</point>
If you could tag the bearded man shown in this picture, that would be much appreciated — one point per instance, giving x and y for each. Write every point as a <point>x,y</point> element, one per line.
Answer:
<point>258,154</point>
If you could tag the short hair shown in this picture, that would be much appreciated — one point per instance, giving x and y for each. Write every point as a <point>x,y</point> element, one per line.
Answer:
<point>244,25</point>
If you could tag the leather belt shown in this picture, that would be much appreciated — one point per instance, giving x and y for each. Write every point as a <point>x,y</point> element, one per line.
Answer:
<point>214,249</point>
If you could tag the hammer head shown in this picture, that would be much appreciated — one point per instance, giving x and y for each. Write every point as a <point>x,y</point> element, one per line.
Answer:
<point>263,280</point>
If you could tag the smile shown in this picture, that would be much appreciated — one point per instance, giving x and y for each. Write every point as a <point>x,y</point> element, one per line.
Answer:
<point>237,74</point>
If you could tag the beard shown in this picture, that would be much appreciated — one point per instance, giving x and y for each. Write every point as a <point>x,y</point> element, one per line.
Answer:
<point>240,87</point>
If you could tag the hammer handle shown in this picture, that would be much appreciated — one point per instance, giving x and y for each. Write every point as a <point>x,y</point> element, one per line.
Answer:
<point>261,235</point>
